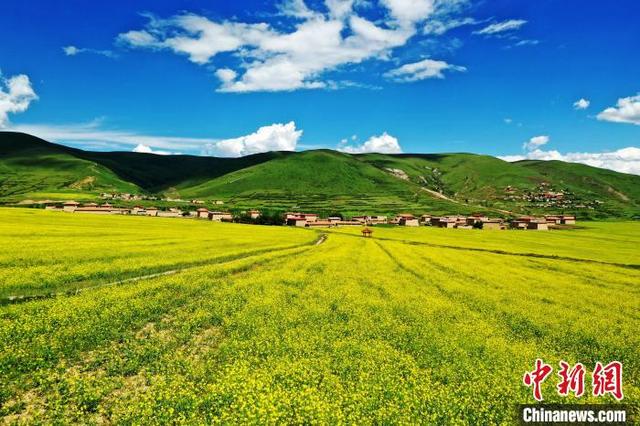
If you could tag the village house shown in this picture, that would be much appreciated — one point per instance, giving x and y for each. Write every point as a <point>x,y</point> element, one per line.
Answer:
<point>152,211</point>
<point>220,216</point>
<point>568,220</point>
<point>477,217</point>
<point>309,217</point>
<point>407,219</point>
<point>202,213</point>
<point>296,221</point>
<point>447,222</point>
<point>425,219</point>
<point>487,223</point>
<point>70,206</point>
<point>538,226</point>
<point>254,214</point>
<point>139,211</point>
<point>93,208</point>
<point>370,220</point>
<point>336,219</point>
<point>528,222</point>
<point>172,212</point>
<point>377,220</point>
<point>554,219</point>
<point>495,224</point>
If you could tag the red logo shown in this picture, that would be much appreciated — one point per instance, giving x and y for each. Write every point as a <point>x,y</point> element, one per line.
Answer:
<point>536,377</point>
<point>572,379</point>
<point>608,380</point>
<point>605,379</point>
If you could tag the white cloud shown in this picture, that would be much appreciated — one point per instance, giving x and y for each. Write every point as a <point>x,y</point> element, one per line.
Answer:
<point>339,9</point>
<point>625,160</point>
<point>508,120</point>
<point>525,42</point>
<point>536,142</point>
<point>581,103</point>
<point>16,94</point>
<point>139,39</point>
<point>627,110</point>
<point>427,68</point>
<point>276,137</point>
<point>408,12</point>
<point>500,27</point>
<point>295,8</point>
<point>93,135</point>
<point>226,75</point>
<point>272,59</point>
<point>440,27</point>
<point>145,149</point>
<point>73,51</point>
<point>384,144</point>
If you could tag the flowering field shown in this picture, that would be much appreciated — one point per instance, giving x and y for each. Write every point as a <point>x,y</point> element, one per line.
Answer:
<point>261,325</point>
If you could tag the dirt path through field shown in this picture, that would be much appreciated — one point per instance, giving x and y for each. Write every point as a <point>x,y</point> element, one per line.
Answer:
<point>26,298</point>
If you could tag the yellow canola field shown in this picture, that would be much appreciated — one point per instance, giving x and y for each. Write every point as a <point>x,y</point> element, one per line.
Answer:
<point>260,325</point>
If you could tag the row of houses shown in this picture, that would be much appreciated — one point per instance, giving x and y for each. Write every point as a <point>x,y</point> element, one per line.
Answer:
<point>311,220</point>
<point>542,223</point>
<point>138,197</point>
<point>220,216</point>
<point>109,209</point>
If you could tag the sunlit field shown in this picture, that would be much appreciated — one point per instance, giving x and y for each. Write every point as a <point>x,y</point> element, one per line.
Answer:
<point>151,320</point>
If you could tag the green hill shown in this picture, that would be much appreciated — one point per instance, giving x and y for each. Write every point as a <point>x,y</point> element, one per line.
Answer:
<point>33,168</point>
<point>322,180</point>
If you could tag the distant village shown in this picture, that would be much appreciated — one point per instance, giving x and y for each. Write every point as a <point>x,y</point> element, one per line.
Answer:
<point>544,196</point>
<point>313,220</point>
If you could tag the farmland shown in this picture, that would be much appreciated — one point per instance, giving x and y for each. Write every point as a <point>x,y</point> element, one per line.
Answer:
<point>168,321</point>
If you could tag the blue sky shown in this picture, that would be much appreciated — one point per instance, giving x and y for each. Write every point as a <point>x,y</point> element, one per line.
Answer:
<point>231,78</point>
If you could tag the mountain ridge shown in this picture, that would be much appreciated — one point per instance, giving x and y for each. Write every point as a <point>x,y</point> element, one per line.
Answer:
<point>323,180</point>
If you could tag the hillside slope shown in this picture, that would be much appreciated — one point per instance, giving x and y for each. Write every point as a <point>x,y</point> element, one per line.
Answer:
<point>320,180</point>
<point>520,186</point>
<point>616,192</point>
<point>33,168</point>
<point>457,175</point>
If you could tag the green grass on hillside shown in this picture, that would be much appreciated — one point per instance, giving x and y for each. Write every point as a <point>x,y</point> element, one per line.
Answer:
<point>461,175</point>
<point>322,180</point>
<point>28,167</point>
